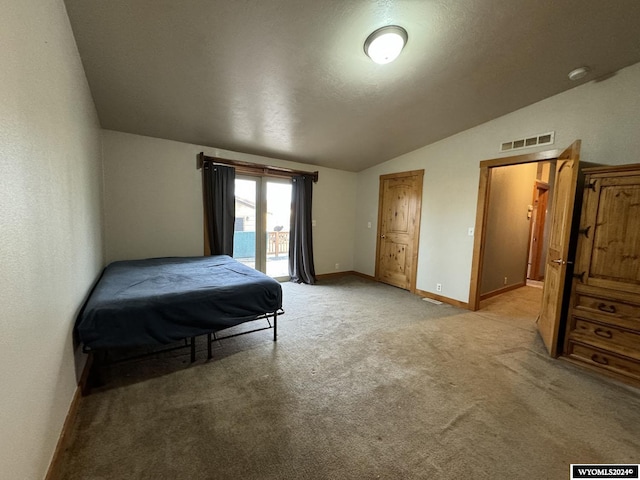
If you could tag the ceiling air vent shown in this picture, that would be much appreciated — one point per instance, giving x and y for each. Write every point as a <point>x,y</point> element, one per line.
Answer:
<point>534,141</point>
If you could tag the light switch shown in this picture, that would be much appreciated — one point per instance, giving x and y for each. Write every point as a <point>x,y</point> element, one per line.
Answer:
<point>368,224</point>
<point>470,232</point>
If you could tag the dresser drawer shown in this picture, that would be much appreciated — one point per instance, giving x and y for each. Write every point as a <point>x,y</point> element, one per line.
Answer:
<point>605,360</point>
<point>607,337</point>
<point>607,306</point>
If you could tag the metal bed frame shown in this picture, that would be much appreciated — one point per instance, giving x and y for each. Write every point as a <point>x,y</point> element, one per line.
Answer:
<point>99,356</point>
<point>211,337</point>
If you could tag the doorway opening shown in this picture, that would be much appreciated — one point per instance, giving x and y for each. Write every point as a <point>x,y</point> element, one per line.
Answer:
<point>562,234</point>
<point>516,230</point>
<point>261,231</point>
<point>490,170</point>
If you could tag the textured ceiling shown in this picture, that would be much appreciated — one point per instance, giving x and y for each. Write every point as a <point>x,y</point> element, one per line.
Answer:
<point>289,78</point>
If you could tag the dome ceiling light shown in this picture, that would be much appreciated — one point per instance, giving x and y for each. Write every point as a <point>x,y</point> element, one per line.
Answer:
<point>385,44</point>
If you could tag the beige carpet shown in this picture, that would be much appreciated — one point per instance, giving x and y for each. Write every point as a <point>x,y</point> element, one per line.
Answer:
<point>366,381</point>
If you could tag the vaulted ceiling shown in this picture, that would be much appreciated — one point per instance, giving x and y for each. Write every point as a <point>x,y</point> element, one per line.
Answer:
<point>290,79</point>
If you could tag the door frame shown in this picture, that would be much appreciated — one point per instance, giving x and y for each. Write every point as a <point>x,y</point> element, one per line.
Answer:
<point>484,188</point>
<point>416,236</point>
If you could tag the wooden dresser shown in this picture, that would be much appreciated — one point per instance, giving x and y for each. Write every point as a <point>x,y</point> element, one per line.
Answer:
<point>603,328</point>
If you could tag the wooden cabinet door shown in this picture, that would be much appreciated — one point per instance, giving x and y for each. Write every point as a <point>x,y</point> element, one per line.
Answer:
<point>609,247</point>
<point>398,228</point>
<point>553,293</point>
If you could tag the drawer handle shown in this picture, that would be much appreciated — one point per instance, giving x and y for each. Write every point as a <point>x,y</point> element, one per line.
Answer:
<point>603,307</point>
<point>603,333</point>
<point>601,360</point>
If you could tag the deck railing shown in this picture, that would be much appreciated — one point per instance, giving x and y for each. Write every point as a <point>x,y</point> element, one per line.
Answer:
<point>244,244</point>
<point>278,243</point>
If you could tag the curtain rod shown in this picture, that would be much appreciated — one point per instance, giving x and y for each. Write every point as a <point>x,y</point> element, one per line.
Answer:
<point>255,167</point>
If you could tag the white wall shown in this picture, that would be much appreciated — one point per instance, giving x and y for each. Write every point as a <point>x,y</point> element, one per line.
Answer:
<point>50,226</point>
<point>507,230</point>
<point>604,114</point>
<point>153,201</point>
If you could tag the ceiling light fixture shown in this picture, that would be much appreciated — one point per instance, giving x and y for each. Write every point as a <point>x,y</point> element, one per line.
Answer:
<point>385,44</point>
<point>578,73</point>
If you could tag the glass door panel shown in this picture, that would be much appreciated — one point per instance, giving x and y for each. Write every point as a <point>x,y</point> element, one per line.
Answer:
<point>244,235</point>
<point>278,214</point>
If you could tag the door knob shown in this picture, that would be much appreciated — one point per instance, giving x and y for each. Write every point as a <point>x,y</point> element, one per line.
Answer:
<point>561,262</point>
<point>382,236</point>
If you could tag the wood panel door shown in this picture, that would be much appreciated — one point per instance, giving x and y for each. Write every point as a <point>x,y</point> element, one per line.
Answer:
<point>536,235</point>
<point>562,209</point>
<point>399,210</point>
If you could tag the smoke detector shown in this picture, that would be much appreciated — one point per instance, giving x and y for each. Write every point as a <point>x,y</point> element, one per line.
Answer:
<point>578,73</point>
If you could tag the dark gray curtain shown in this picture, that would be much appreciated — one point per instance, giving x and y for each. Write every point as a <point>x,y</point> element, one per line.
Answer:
<point>301,269</point>
<point>218,186</point>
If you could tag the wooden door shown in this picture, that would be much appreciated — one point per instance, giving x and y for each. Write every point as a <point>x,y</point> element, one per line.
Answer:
<point>562,209</point>
<point>398,228</point>
<point>536,235</point>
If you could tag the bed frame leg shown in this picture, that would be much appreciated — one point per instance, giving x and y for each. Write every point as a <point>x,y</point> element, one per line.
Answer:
<point>193,349</point>
<point>95,364</point>
<point>209,354</point>
<point>275,326</point>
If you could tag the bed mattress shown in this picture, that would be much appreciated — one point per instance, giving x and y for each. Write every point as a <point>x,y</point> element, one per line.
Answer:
<point>163,300</point>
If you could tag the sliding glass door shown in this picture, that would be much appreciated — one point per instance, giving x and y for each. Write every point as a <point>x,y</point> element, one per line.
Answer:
<point>278,207</point>
<point>261,237</point>
<point>244,234</point>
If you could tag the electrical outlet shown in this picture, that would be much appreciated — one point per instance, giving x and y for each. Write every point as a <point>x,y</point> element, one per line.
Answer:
<point>505,280</point>
<point>438,287</point>
<point>337,266</point>
<point>368,224</point>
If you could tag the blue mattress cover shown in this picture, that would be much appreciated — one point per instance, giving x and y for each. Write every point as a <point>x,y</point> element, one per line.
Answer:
<point>162,300</point>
